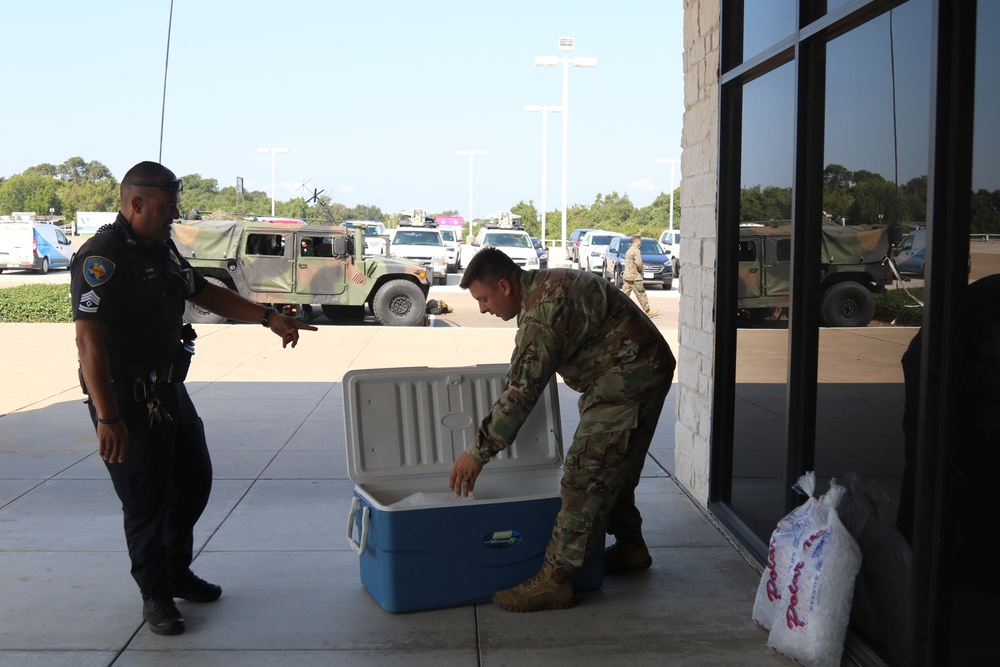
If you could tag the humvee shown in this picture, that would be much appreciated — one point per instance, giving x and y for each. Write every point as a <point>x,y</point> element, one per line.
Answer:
<point>855,266</point>
<point>293,266</point>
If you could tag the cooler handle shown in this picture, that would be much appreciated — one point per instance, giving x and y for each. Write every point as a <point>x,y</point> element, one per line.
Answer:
<point>358,547</point>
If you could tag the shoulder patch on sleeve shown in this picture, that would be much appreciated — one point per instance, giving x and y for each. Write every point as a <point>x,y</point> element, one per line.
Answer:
<point>97,270</point>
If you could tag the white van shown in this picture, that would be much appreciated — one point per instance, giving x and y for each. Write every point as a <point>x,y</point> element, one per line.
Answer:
<point>34,246</point>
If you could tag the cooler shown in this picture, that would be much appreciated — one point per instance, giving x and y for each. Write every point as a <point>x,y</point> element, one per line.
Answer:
<point>405,429</point>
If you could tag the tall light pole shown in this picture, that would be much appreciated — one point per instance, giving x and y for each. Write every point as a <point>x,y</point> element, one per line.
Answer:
<point>565,45</point>
<point>534,108</point>
<point>472,155</point>
<point>672,161</point>
<point>272,151</point>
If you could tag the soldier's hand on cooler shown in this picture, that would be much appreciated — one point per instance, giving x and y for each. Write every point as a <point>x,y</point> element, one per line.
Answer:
<point>464,475</point>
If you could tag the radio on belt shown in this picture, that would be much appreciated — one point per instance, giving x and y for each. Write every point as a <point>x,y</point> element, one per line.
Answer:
<point>405,428</point>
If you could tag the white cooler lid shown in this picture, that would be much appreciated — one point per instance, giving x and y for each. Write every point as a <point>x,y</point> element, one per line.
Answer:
<point>405,422</point>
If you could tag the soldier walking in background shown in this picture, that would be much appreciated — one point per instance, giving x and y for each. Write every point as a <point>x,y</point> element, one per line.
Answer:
<point>632,275</point>
<point>129,285</point>
<point>587,330</point>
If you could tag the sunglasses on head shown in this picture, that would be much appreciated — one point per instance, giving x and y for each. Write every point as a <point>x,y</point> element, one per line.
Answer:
<point>169,186</point>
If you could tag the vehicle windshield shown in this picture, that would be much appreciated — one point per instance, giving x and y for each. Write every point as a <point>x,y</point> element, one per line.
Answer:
<point>601,240</point>
<point>406,237</point>
<point>447,234</point>
<point>650,247</point>
<point>372,229</point>
<point>507,241</point>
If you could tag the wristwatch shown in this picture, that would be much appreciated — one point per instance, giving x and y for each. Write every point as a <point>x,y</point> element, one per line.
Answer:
<point>266,319</point>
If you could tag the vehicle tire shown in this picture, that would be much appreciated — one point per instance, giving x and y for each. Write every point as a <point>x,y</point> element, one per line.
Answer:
<point>399,303</point>
<point>45,266</point>
<point>343,314</point>
<point>847,304</point>
<point>195,315</point>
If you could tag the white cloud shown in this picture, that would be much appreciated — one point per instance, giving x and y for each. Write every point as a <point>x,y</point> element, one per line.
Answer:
<point>642,185</point>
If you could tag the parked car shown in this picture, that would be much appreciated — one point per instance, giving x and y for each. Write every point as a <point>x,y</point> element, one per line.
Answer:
<point>453,246</point>
<point>513,242</point>
<point>671,242</point>
<point>376,236</point>
<point>543,253</point>
<point>913,265</point>
<point>592,247</point>
<point>573,244</point>
<point>912,243</point>
<point>656,266</point>
<point>423,246</point>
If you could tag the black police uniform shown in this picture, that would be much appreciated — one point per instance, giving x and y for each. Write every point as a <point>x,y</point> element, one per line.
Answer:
<point>139,291</point>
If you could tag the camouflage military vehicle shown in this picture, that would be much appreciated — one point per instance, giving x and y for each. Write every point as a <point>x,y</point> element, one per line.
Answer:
<point>297,265</point>
<point>855,266</point>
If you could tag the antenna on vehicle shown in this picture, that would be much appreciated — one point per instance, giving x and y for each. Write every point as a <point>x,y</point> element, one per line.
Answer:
<point>316,200</point>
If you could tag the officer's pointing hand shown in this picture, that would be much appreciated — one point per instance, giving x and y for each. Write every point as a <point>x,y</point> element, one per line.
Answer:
<point>288,328</point>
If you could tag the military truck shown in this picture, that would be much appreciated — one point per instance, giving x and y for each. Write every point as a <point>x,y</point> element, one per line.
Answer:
<point>293,266</point>
<point>855,266</point>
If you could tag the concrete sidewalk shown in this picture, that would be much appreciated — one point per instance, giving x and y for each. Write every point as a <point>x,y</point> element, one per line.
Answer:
<point>274,532</point>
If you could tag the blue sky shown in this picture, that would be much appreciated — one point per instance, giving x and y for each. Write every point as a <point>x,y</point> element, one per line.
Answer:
<point>372,99</point>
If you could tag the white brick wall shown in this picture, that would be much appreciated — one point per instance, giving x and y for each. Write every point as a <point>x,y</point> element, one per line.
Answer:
<point>699,174</point>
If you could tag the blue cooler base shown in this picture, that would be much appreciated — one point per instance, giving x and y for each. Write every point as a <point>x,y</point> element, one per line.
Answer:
<point>435,557</point>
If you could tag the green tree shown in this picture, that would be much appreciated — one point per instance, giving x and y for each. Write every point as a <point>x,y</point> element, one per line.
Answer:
<point>529,217</point>
<point>29,193</point>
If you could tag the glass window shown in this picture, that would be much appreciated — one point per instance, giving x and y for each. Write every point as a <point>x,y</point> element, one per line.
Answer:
<point>759,440</point>
<point>876,166</point>
<point>974,637</point>
<point>766,22</point>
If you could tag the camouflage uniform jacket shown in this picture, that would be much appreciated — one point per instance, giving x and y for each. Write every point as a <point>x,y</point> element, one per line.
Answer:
<point>584,328</point>
<point>633,264</point>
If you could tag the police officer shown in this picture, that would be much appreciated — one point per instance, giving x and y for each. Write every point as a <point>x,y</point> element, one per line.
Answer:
<point>587,330</point>
<point>129,285</point>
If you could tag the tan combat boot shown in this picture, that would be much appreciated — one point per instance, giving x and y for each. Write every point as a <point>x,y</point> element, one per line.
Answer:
<point>549,589</point>
<point>628,554</point>
<point>651,313</point>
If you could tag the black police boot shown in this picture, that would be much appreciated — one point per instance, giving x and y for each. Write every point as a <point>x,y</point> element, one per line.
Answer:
<point>163,616</point>
<point>193,589</point>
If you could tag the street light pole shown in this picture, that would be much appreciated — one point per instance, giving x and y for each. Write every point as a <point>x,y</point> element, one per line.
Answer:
<point>565,45</point>
<point>272,151</point>
<point>672,161</point>
<point>471,154</point>
<point>533,108</point>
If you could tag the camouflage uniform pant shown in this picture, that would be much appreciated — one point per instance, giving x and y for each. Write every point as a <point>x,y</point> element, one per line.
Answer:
<point>601,471</point>
<point>628,286</point>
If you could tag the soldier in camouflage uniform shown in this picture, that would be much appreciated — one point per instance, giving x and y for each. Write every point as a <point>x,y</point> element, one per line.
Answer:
<point>632,275</point>
<point>587,330</point>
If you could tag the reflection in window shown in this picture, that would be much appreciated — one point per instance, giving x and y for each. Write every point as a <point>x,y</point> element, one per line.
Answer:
<point>759,433</point>
<point>876,148</point>
<point>977,591</point>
